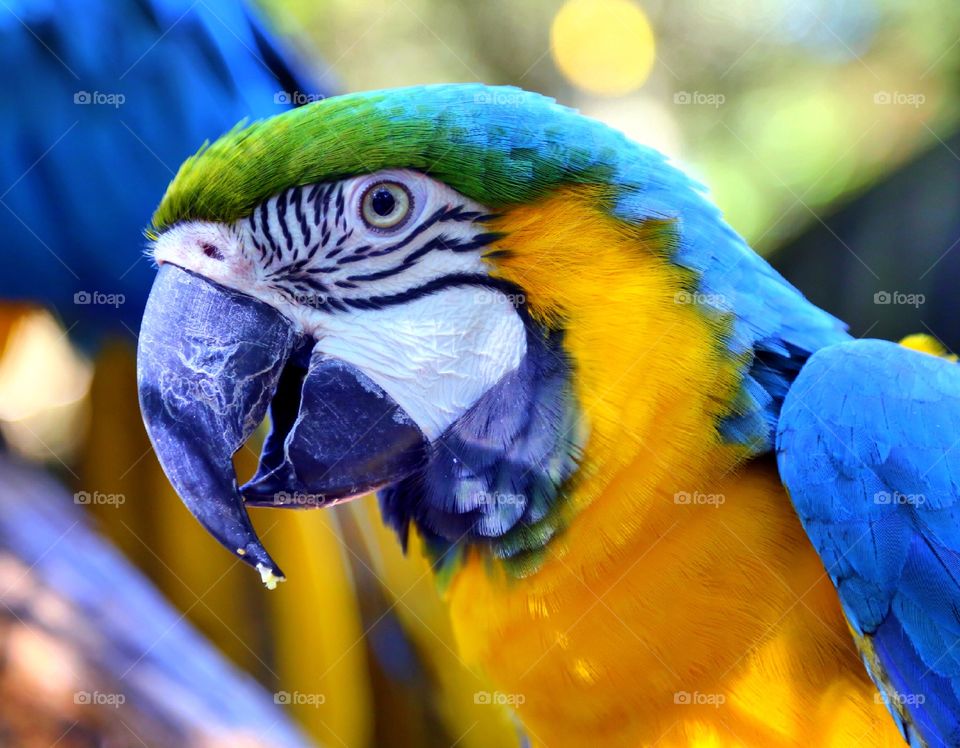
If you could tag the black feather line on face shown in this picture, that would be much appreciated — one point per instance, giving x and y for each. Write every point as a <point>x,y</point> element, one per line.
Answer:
<point>315,198</point>
<point>340,205</point>
<point>440,242</point>
<point>298,208</point>
<point>438,215</point>
<point>452,280</point>
<point>282,220</point>
<point>260,249</point>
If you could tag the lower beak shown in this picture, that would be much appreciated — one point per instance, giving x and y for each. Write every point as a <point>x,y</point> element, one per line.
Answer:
<point>207,367</point>
<point>346,438</point>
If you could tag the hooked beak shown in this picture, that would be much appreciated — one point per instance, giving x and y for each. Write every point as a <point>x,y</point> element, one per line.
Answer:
<point>210,361</point>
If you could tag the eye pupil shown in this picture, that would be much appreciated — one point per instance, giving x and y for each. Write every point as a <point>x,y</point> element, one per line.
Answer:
<point>383,202</point>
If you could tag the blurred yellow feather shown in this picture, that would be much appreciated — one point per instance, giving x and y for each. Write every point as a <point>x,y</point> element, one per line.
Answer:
<point>459,690</point>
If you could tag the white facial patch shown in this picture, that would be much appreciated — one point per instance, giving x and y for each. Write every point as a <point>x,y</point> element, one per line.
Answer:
<point>359,290</point>
<point>434,356</point>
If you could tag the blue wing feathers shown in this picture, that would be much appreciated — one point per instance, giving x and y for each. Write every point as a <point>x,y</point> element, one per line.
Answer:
<point>937,714</point>
<point>867,448</point>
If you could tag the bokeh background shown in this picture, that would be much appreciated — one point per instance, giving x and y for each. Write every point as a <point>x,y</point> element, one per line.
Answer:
<point>825,129</point>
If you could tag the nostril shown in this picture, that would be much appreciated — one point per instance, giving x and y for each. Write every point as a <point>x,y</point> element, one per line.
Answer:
<point>211,250</point>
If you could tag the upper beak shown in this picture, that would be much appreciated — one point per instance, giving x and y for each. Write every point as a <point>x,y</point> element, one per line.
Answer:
<point>207,366</point>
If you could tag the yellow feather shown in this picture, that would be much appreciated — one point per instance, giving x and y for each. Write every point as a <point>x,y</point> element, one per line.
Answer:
<point>317,629</point>
<point>927,344</point>
<point>457,692</point>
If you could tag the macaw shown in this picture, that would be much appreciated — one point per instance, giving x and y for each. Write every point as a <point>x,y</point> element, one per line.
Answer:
<point>668,500</point>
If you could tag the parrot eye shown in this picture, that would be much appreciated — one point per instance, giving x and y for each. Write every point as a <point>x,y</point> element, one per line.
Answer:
<point>385,205</point>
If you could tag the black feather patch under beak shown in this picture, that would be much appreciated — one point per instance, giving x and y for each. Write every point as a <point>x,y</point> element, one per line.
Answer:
<point>210,362</point>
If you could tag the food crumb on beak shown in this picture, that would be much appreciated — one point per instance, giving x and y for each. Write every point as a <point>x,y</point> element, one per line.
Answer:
<point>269,579</point>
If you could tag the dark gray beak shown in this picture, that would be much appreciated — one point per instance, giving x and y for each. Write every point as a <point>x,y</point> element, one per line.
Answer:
<point>210,362</point>
<point>336,435</point>
<point>207,366</point>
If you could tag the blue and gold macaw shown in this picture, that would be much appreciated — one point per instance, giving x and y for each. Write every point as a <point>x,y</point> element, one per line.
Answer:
<point>669,501</point>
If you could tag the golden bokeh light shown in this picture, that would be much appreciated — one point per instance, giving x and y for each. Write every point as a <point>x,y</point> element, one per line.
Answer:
<point>43,388</point>
<point>604,47</point>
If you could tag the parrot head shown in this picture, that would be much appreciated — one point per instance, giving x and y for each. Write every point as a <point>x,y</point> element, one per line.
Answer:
<point>426,288</point>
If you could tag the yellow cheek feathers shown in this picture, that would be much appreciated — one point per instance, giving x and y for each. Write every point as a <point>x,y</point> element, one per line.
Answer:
<point>650,397</point>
